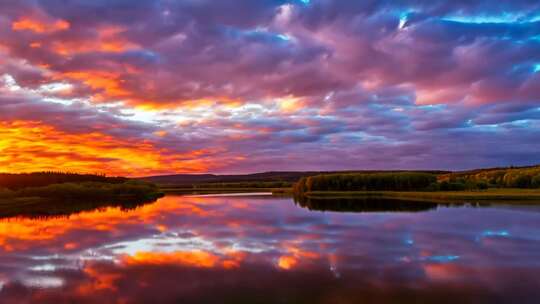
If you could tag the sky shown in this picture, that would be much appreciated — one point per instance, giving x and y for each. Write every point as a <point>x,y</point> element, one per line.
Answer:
<point>153,87</point>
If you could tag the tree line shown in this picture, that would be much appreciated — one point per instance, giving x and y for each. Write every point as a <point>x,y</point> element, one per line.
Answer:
<point>397,181</point>
<point>528,177</point>
<point>42,179</point>
<point>87,191</point>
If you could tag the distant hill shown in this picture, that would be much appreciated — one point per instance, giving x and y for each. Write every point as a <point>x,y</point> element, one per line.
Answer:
<point>284,176</point>
<point>188,179</point>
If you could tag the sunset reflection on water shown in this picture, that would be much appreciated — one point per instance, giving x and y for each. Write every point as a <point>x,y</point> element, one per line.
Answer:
<point>265,249</point>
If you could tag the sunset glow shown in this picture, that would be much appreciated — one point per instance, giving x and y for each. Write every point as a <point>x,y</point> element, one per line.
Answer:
<point>38,26</point>
<point>269,151</point>
<point>160,87</point>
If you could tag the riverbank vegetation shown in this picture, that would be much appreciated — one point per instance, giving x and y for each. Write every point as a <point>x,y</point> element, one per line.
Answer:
<point>87,191</point>
<point>54,193</point>
<point>399,181</point>
<point>508,184</point>
<point>523,178</point>
<point>41,179</point>
<point>511,196</point>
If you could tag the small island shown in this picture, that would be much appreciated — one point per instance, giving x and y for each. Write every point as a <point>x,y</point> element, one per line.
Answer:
<point>54,193</point>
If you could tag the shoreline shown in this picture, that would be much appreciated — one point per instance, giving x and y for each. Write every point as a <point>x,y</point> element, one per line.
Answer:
<point>515,196</point>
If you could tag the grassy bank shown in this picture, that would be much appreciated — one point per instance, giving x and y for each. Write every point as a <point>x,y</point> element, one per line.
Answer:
<point>520,196</point>
<point>508,185</point>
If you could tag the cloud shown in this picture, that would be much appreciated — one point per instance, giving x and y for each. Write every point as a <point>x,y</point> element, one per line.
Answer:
<point>277,84</point>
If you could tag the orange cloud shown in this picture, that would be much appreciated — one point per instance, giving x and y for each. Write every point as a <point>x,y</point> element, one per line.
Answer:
<point>108,40</point>
<point>73,47</point>
<point>35,45</point>
<point>287,262</point>
<point>209,102</point>
<point>294,256</point>
<point>37,26</point>
<point>443,272</point>
<point>289,104</point>
<point>33,146</point>
<point>109,83</point>
<point>100,281</point>
<point>189,258</point>
<point>197,258</point>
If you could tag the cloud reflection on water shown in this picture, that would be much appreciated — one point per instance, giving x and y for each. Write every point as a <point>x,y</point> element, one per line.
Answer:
<point>244,248</point>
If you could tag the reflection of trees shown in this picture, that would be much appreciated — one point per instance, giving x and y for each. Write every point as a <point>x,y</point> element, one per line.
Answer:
<point>362,204</point>
<point>68,198</point>
<point>39,208</point>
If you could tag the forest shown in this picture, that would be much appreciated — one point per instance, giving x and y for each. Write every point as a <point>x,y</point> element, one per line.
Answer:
<point>41,179</point>
<point>479,179</point>
<point>71,190</point>
<point>395,181</point>
<point>524,178</point>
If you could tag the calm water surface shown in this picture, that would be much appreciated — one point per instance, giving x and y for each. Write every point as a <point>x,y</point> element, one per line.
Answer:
<point>263,249</point>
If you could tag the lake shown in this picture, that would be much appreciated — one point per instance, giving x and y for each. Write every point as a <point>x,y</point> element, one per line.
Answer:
<point>264,249</point>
